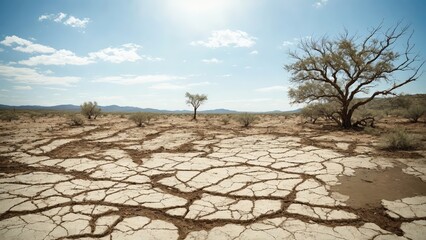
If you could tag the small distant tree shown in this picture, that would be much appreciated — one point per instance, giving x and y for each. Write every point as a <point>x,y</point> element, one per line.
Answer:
<point>90,110</point>
<point>195,100</point>
<point>337,70</point>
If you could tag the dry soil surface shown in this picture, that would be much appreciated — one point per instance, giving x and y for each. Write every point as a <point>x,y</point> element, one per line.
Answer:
<point>181,179</point>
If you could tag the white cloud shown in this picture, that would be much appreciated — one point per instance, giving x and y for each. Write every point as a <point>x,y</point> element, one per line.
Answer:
<point>272,89</point>
<point>23,45</point>
<point>62,18</point>
<point>76,22</point>
<point>227,38</point>
<point>212,60</point>
<point>31,76</point>
<point>227,75</point>
<point>43,17</point>
<point>138,79</point>
<point>254,52</point>
<point>60,57</point>
<point>320,3</point>
<point>22,88</point>
<point>294,41</point>
<point>127,52</point>
<point>287,43</point>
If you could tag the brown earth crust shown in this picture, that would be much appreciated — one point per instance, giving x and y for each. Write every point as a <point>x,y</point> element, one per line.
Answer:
<point>245,153</point>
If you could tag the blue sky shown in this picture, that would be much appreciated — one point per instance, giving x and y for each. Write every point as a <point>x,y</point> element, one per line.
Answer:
<point>149,53</point>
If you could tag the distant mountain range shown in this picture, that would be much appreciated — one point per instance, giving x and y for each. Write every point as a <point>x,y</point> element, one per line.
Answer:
<point>116,108</point>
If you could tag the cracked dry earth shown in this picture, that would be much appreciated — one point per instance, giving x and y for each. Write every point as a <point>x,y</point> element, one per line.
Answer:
<point>183,180</point>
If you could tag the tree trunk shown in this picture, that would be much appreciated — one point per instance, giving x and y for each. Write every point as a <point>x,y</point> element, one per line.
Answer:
<point>346,120</point>
<point>346,116</point>
<point>195,114</point>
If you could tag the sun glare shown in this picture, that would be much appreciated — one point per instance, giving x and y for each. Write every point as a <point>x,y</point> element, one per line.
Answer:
<point>200,13</point>
<point>202,6</point>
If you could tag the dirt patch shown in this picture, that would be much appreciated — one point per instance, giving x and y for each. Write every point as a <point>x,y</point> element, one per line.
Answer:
<point>400,154</point>
<point>74,148</point>
<point>367,187</point>
<point>381,219</point>
<point>8,166</point>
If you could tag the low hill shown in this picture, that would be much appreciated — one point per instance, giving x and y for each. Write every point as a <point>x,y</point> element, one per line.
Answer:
<point>127,109</point>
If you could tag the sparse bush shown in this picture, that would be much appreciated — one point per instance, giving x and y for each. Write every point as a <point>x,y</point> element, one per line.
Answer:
<point>75,120</point>
<point>246,119</point>
<point>312,112</point>
<point>34,116</point>
<point>225,120</point>
<point>9,116</point>
<point>414,113</point>
<point>371,130</point>
<point>400,102</point>
<point>399,140</point>
<point>90,109</point>
<point>141,118</point>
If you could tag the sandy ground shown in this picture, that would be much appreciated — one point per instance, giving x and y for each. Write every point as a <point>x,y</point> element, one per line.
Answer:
<point>181,179</point>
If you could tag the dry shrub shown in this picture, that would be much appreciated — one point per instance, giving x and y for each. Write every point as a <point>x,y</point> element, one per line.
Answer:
<point>225,120</point>
<point>414,113</point>
<point>34,116</point>
<point>75,120</point>
<point>9,116</point>
<point>399,140</point>
<point>372,131</point>
<point>141,118</point>
<point>246,119</point>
